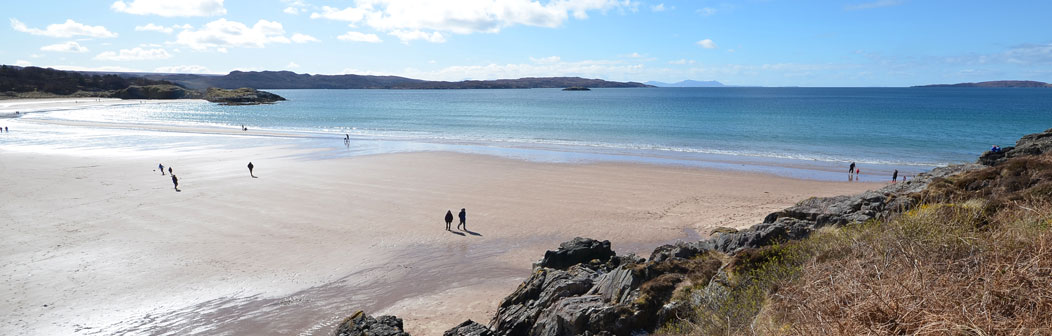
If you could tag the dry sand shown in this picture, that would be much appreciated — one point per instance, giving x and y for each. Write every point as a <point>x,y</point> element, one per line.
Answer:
<point>104,245</point>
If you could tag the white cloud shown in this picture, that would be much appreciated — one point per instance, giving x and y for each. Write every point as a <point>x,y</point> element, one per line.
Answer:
<point>707,44</point>
<point>70,47</point>
<point>635,55</point>
<point>409,35</point>
<point>873,4</point>
<point>295,7</point>
<point>412,18</point>
<point>661,7</point>
<point>707,11</point>
<point>348,14</point>
<point>153,27</point>
<point>681,61</point>
<point>66,29</point>
<point>168,8</point>
<point>303,38</point>
<point>222,34</point>
<point>134,54</point>
<point>197,69</point>
<point>23,63</point>
<point>292,65</point>
<point>354,36</point>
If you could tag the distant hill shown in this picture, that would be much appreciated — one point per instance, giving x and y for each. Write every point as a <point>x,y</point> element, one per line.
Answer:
<point>35,82</point>
<point>291,80</point>
<point>687,83</point>
<point>996,84</point>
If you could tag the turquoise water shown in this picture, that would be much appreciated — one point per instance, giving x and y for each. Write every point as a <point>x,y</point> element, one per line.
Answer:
<point>915,128</point>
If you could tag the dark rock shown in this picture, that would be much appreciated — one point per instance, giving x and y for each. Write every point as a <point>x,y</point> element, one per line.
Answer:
<point>1030,144</point>
<point>242,96</point>
<point>468,328</point>
<point>518,312</point>
<point>569,316</point>
<point>360,324</point>
<point>579,250</point>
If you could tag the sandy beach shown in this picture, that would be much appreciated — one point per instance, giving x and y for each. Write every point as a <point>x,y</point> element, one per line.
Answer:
<point>105,245</point>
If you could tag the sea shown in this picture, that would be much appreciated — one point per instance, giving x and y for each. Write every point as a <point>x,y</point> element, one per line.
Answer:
<point>797,132</point>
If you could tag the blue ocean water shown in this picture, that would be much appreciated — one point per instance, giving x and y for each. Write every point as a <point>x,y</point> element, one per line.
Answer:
<point>890,127</point>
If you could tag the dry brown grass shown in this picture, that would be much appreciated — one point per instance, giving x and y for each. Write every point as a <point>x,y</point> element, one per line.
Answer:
<point>931,272</point>
<point>974,259</point>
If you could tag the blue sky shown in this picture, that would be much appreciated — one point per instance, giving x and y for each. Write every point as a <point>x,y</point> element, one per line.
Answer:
<point>757,42</point>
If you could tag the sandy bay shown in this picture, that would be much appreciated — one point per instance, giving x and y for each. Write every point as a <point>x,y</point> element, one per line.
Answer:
<point>102,244</point>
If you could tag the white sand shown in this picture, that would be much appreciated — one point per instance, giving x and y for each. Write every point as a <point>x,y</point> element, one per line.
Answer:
<point>104,245</point>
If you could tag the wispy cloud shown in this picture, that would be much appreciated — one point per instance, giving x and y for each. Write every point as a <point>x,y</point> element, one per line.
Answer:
<point>66,29</point>
<point>873,4</point>
<point>170,8</point>
<point>707,44</point>
<point>69,47</point>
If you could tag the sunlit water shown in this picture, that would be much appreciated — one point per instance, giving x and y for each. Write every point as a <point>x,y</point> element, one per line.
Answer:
<point>802,132</point>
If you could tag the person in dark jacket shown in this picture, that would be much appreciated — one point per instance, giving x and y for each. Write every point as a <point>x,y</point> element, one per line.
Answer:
<point>175,181</point>
<point>449,218</point>
<point>851,168</point>
<point>250,166</point>
<point>463,219</point>
<point>895,175</point>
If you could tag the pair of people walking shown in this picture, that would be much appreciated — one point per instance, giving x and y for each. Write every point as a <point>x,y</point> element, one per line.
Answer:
<point>463,219</point>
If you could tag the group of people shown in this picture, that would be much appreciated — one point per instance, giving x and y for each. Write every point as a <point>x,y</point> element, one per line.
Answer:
<point>4,129</point>
<point>995,149</point>
<point>853,172</point>
<point>175,181</point>
<point>463,219</point>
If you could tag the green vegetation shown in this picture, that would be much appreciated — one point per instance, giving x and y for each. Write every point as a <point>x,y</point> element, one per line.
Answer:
<point>975,258</point>
<point>14,81</point>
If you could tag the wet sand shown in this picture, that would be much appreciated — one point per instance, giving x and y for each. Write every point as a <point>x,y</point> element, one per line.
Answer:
<point>105,245</point>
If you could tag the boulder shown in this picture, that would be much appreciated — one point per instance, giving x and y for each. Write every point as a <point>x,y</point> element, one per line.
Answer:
<point>579,250</point>
<point>360,324</point>
<point>468,328</point>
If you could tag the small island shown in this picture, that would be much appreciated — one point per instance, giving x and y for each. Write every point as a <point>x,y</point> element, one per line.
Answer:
<point>995,84</point>
<point>577,88</point>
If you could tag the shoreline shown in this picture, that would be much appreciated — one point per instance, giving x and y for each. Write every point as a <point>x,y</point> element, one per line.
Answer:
<point>92,230</point>
<point>328,145</point>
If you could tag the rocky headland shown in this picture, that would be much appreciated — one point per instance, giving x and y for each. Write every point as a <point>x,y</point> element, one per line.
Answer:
<point>585,288</point>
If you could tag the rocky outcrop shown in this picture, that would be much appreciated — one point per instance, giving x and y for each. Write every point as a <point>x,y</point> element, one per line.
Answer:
<point>579,250</point>
<point>242,96</point>
<point>800,220</point>
<point>1030,144</point>
<point>360,324</point>
<point>468,328</point>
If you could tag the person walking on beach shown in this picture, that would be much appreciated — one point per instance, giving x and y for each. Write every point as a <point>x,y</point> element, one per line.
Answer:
<point>895,176</point>
<point>851,168</point>
<point>161,168</point>
<point>175,181</point>
<point>169,171</point>
<point>250,166</point>
<point>463,219</point>
<point>449,218</point>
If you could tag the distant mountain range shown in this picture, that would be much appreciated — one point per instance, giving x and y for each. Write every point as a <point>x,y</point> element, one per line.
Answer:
<point>996,84</point>
<point>687,83</point>
<point>291,80</point>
